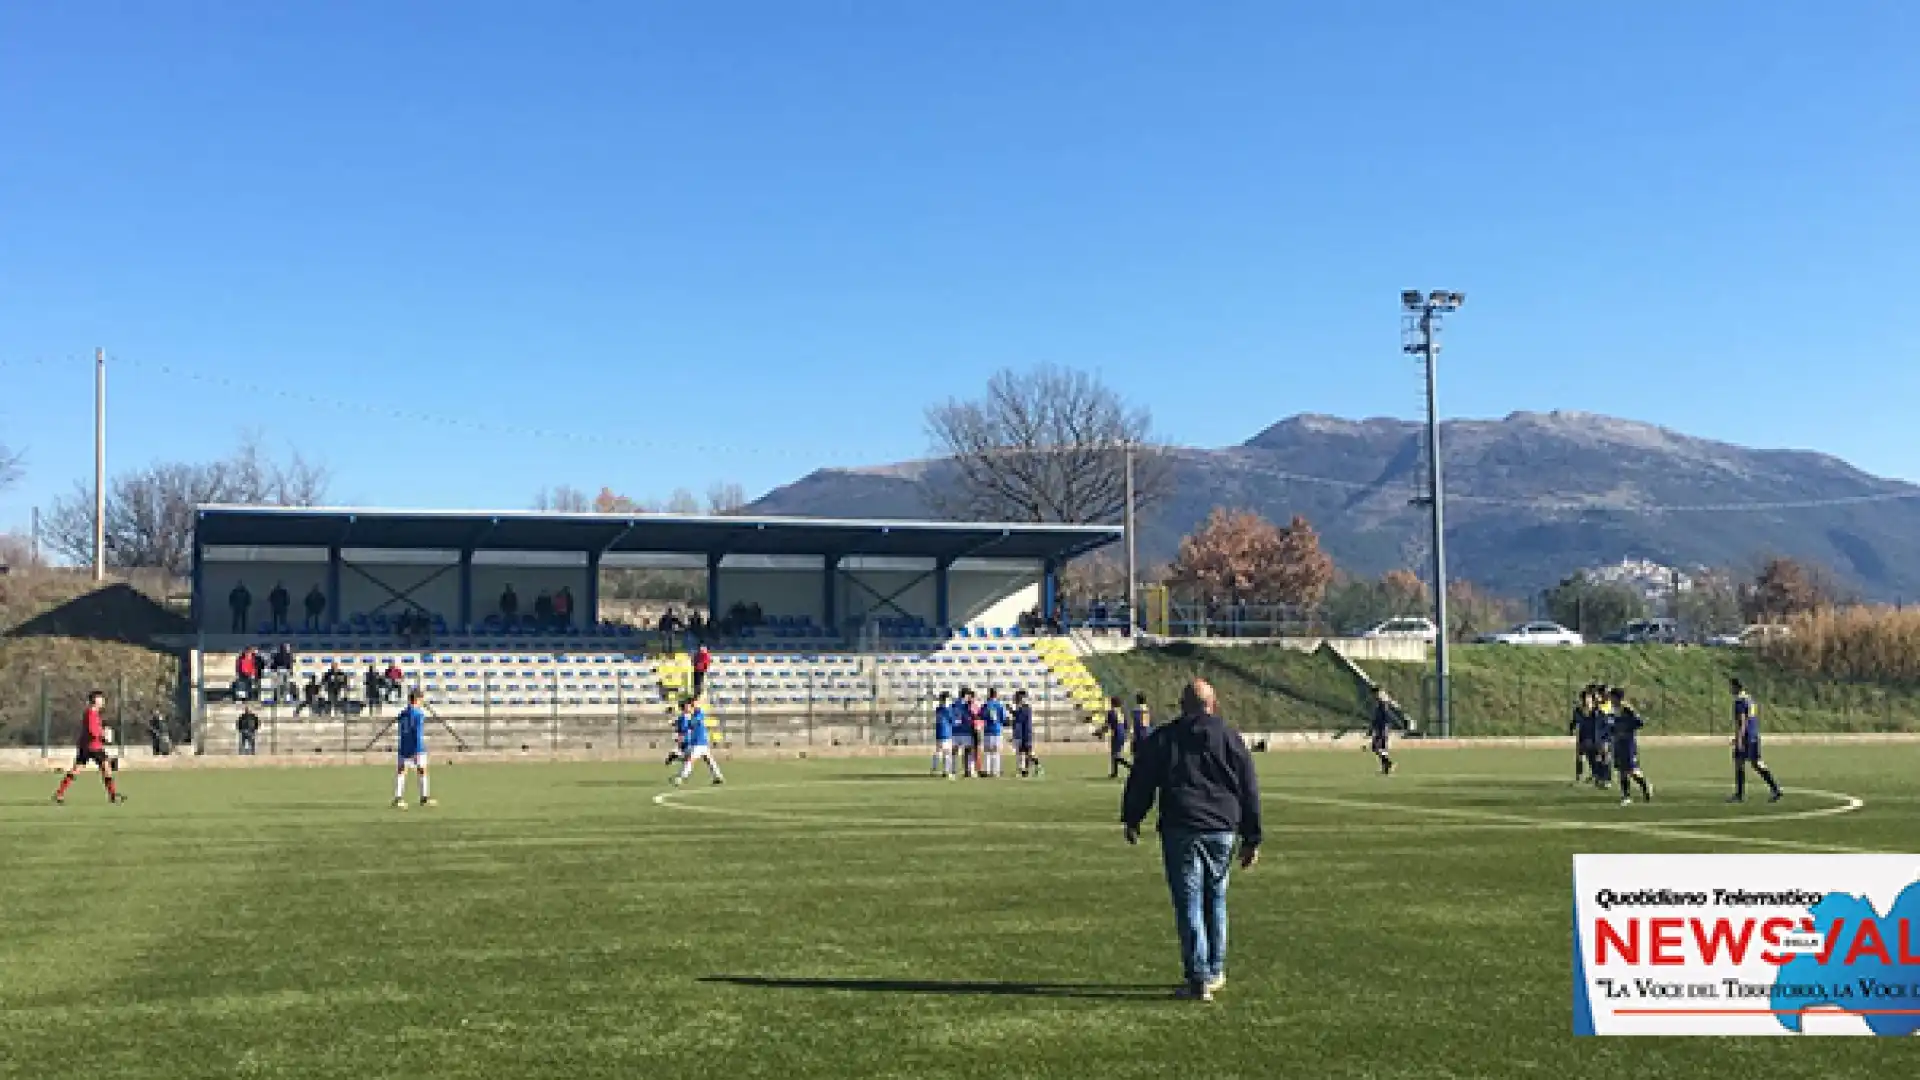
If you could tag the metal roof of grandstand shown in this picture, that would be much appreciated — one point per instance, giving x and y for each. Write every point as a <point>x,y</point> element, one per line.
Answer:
<point>527,530</point>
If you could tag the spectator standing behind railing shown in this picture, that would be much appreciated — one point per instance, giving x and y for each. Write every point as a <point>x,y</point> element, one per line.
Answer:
<point>240,601</point>
<point>509,605</point>
<point>246,674</point>
<point>702,663</point>
<point>563,607</point>
<point>283,672</point>
<point>375,685</point>
<point>395,680</point>
<point>278,602</point>
<point>543,609</point>
<point>335,684</point>
<point>316,604</point>
<point>248,726</point>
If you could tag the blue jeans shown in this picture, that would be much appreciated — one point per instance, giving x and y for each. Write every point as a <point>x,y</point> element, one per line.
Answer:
<point>1197,865</point>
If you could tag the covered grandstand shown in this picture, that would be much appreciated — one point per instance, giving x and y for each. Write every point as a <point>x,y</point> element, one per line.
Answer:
<point>857,624</point>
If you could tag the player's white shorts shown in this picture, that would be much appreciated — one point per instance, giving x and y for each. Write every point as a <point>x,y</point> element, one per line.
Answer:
<point>417,761</point>
<point>697,753</point>
<point>964,742</point>
<point>945,746</point>
<point>993,744</point>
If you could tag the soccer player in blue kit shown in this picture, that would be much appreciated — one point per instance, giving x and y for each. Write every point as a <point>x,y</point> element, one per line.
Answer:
<point>412,726</point>
<point>1746,745</point>
<point>1627,723</point>
<point>994,715</point>
<point>695,745</point>
<point>942,763</point>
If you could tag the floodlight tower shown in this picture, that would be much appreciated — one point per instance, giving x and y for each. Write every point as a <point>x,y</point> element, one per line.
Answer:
<point>1420,335</point>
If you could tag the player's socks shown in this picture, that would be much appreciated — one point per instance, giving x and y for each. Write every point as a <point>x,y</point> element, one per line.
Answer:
<point>400,786</point>
<point>425,793</point>
<point>1626,789</point>
<point>1767,775</point>
<point>1739,781</point>
<point>113,793</point>
<point>1579,760</point>
<point>65,783</point>
<point>1646,789</point>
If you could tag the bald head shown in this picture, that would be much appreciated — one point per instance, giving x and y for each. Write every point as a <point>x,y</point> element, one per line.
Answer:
<point>1197,698</point>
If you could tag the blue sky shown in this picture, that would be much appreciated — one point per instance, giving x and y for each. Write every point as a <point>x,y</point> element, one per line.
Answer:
<point>736,241</point>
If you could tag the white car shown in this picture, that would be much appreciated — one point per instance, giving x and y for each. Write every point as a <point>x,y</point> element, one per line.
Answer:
<point>1536,633</point>
<point>1411,629</point>
<point>1751,637</point>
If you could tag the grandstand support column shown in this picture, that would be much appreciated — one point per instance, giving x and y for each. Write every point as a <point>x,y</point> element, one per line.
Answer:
<point>466,589</point>
<point>333,585</point>
<point>1049,588</point>
<point>713,585</point>
<point>196,603</point>
<point>942,595</point>
<point>830,593</point>
<point>590,614</point>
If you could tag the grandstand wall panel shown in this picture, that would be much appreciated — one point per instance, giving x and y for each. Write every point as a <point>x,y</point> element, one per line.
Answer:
<point>859,591</point>
<point>528,582</point>
<point>992,598</point>
<point>778,592</point>
<point>368,584</point>
<point>219,578</point>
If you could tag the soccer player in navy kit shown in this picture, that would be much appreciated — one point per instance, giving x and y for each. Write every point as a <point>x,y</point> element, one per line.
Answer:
<point>695,743</point>
<point>1382,723</point>
<point>1115,729</point>
<point>1627,723</point>
<point>413,752</point>
<point>1746,745</point>
<point>942,762</point>
<point>1023,735</point>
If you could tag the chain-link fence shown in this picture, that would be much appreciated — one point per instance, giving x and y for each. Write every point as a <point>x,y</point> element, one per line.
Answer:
<point>47,713</point>
<point>1515,704</point>
<point>838,701</point>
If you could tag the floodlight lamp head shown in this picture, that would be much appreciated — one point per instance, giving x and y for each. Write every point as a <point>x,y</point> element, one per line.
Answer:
<point>1459,299</point>
<point>1438,298</point>
<point>1411,299</point>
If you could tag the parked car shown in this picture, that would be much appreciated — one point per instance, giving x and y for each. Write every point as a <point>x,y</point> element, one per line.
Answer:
<point>1409,629</point>
<point>1648,632</point>
<point>1749,637</point>
<point>1535,633</point>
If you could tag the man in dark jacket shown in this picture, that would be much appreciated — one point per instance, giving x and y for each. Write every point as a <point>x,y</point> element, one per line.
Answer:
<point>1201,774</point>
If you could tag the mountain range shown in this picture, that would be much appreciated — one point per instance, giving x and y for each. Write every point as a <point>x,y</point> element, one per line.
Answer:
<point>1530,499</point>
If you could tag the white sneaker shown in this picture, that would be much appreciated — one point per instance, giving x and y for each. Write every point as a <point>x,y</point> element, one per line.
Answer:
<point>1216,984</point>
<point>1194,992</point>
<point>1626,800</point>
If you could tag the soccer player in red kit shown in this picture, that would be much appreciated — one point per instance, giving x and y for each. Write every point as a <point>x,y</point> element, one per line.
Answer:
<point>92,747</point>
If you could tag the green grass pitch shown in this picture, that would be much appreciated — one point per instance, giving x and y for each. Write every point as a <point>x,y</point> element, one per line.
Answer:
<point>855,918</point>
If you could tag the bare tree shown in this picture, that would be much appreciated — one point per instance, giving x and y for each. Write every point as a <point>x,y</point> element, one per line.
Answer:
<point>725,498</point>
<point>1046,445</point>
<point>680,502</point>
<point>150,511</point>
<point>9,466</point>
<point>563,499</point>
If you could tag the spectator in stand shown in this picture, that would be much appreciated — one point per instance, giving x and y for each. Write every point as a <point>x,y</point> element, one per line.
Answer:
<point>312,694</point>
<point>697,626</point>
<point>702,663</point>
<point>241,602</point>
<point>283,672</point>
<point>563,607</point>
<point>543,610</point>
<point>278,602</point>
<point>335,684</point>
<point>670,623</point>
<point>248,726</point>
<point>509,605</point>
<point>246,674</point>
<point>316,604</point>
<point>395,679</point>
<point>375,684</point>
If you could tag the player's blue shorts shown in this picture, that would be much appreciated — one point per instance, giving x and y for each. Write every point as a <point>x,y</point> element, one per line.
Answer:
<point>1626,755</point>
<point>1380,740</point>
<point>1750,751</point>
